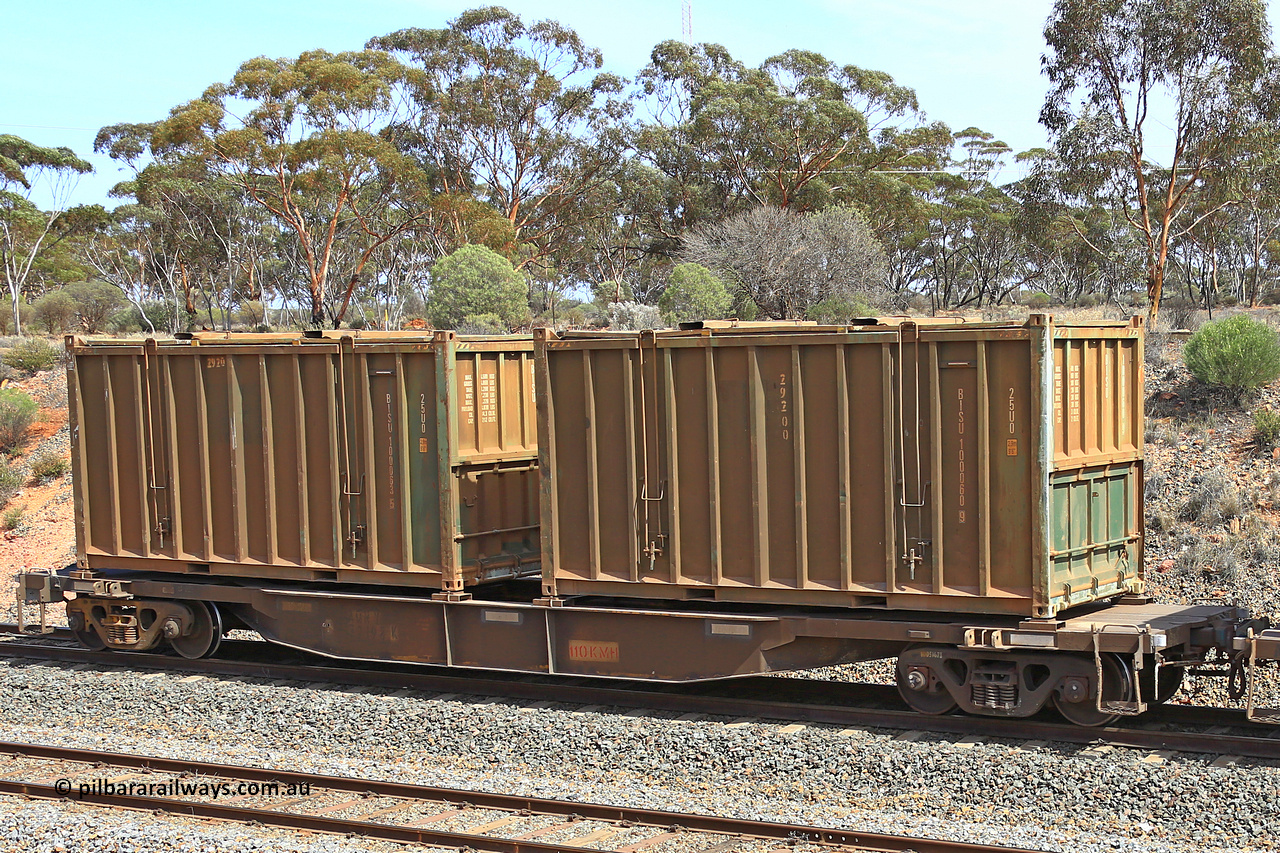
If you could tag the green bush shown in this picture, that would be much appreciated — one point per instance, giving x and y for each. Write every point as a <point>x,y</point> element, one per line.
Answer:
<point>10,483</point>
<point>474,281</point>
<point>46,465</point>
<point>13,518</point>
<point>56,311</point>
<point>17,414</point>
<point>604,292</point>
<point>1239,353</point>
<point>1266,424</point>
<point>6,314</point>
<point>1036,301</point>
<point>162,314</point>
<point>96,302</point>
<point>694,293</point>
<point>32,355</point>
<point>1214,499</point>
<point>841,308</point>
<point>481,324</point>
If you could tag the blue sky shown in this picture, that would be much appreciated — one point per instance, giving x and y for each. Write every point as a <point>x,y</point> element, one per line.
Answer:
<point>75,66</point>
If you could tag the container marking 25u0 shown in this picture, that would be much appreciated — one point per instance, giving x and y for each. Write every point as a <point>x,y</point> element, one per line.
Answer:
<point>379,458</point>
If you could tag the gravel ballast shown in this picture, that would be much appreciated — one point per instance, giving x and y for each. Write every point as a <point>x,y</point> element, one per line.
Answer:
<point>1054,797</point>
<point>64,827</point>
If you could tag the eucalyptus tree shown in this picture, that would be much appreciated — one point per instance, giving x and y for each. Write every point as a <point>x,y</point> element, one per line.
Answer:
<point>306,139</point>
<point>518,115</point>
<point>188,234</point>
<point>798,132</point>
<point>26,231</point>
<point>1111,64</point>
<point>786,262</point>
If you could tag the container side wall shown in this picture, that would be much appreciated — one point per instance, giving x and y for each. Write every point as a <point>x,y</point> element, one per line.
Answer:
<point>1095,534</point>
<point>287,503</point>
<point>1097,411</point>
<point>743,478</point>
<point>869,484</point>
<point>96,455</point>
<point>388,418</point>
<point>317,389</point>
<point>575,436</point>
<point>1012,422</point>
<point>418,376</point>
<point>836,468</point>
<point>1095,502</point>
<point>958,496</point>
<point>303,459</point>
<point>695,547</point>
<point>495,404</point>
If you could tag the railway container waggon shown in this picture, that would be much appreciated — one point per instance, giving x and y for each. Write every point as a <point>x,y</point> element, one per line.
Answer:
<point>717,501</point>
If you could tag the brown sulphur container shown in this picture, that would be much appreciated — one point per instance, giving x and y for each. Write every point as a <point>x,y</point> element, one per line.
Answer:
<point>909,465</point>
<point>391,458</point>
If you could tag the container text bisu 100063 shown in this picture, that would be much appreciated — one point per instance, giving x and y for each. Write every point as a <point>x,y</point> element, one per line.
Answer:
<point>960,467</point>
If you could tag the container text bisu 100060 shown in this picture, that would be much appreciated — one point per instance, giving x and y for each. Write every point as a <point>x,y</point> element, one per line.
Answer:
<point>375,458</point>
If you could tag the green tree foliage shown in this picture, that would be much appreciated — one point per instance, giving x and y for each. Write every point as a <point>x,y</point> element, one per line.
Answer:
<point>305,141</point>
<point>95,303</point>
<point>1109,65</point>
<point>10,479</point>
<point>840,309</point>
<point>478,283</point>
<point>518,115</point>
<point>27,232</point>
<point>56,311</point>
<point>7,326</point>
<point>17,414</point>
<point>722,138</point>
<point>604,292</point>
<point>327,185</point>
<point>694,293</point>
<point>787,262</point>
<point>1239,353</point>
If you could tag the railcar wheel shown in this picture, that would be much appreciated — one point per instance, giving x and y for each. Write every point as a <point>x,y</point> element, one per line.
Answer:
<point>87,636</point>
<point>206,633</point>
<point>1078,702</point>
<point>922,690</point>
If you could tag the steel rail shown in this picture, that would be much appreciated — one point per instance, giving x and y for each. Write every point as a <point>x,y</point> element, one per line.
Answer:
<point>709,824</point>
<point>545,689</point>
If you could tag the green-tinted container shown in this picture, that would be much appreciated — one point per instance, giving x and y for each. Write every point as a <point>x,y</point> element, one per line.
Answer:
<point>979,467</point>
<point>388,458</point>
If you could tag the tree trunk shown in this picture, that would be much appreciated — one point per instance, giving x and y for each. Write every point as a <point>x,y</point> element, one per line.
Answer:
<point>317,308</point>
<point>16,293</point>
<point>1155,287</point>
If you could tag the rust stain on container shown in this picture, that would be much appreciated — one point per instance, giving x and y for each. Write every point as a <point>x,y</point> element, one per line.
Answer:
<point>341,456</point>
<point>979,467</point>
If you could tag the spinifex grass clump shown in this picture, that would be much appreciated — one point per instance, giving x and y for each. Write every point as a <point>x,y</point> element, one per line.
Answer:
<point>17,413</point>
<point>1239,353</point>
<point>32,355</point>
